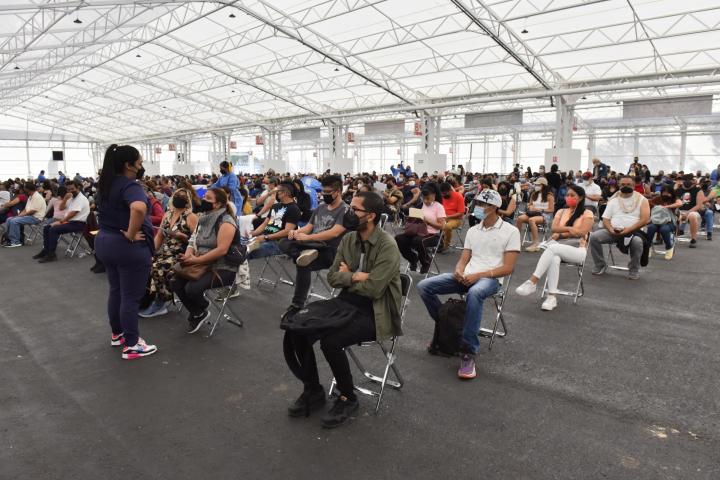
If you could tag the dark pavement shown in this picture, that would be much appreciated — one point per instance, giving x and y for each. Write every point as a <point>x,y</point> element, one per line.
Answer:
<point>625,385</point>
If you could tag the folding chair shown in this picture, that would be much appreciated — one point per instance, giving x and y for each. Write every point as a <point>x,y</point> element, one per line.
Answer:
<point>389,354</point>
<point>320,278</point>
<point>579,289</point>
<point>73,243</point>
<point>433,259</point>
<point>383,220</point>
<point>221,295</point>
<point>612,264</point>
<point>543,229</point>
<point>33,232</point>
<point>279,278</point>
<point>499,301</point>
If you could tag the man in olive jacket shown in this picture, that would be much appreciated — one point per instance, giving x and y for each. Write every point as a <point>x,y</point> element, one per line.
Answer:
<point>367,270</point>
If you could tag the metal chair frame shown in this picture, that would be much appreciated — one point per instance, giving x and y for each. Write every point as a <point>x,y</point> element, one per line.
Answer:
<point>280,279</point>
<point>319,278</point>
<point>221,295</point>
<point>34,232</point>
<point>579,289</point>
<point>433,259</point>
<point>543,228</point>
<point>73,243</point>
<point>389,354</point>
<point>499,301</point>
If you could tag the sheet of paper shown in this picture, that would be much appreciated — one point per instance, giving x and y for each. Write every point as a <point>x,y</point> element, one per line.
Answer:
<point>416,213</point>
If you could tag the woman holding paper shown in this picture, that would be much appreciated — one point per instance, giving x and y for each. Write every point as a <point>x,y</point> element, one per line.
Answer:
<point>423,228</point>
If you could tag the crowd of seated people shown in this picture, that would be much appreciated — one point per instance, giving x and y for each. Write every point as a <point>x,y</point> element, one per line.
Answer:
<point>325,223</point>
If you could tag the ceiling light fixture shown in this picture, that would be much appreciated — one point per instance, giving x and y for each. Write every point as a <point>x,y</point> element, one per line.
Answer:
<point>524,30</point>
<point>16,68</point>
<point>77,20</point>
<point>137,56</point>
<point>232,15</point>
<point>337,69</point>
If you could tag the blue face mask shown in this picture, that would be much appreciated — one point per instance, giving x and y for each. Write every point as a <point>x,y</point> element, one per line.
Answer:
<point>479,213</point>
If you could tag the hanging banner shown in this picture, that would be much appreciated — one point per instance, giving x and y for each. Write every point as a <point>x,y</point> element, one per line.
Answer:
<point>172,147</point>
<point>233,145</point>
<point>258,140</point>
<point>158,150</point>
<point>417,129</point>
<point>350,137</point>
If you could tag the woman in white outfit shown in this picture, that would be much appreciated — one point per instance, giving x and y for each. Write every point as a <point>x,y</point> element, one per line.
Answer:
<point>570,230</point>
<point>540,210</point>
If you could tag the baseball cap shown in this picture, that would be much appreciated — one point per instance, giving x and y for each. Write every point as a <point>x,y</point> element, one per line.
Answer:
<point>541,181</point>
<point>491,197</point>
<point>587,175</point>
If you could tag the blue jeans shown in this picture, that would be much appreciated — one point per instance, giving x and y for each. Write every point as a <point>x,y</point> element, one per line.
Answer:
<point>444,284</point>
<point>266,249</point>
<point>666,231</point>
<point>709,217</point>
<point>14,223</point>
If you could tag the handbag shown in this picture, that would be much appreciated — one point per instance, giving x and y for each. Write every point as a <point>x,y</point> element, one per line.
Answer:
<point>319,317</point>
<point>190,272</point>
<point>532,213</point>
<point>415,227</point>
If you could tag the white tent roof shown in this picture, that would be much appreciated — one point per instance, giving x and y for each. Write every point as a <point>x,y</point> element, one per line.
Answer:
<point>135,69</point>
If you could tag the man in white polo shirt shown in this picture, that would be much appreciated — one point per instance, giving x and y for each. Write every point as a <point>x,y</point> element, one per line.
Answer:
<point>491,249</point>
<point>77,209</point>
<point>32,214</point>
<point>593,192</point>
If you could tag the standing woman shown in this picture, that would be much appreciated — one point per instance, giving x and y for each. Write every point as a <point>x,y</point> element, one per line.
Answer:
<point>229,181</point>
<point>124,245</point>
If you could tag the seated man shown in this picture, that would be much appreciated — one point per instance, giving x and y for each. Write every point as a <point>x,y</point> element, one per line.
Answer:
<point>693,204</point>
<point>76,208</point>
<point>490,252</point>
<point>367,269</point>
<point>313,246</point>
<point>454,204</point>
<point>393,197</point>
<point>626,213</point>
<point>283,218</point>
<point>32,214</point>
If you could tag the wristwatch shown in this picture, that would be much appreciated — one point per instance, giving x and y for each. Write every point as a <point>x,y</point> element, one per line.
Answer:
<point>265,238</point>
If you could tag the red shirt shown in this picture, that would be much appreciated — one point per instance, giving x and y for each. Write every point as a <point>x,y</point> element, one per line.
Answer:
<point>455,204</point>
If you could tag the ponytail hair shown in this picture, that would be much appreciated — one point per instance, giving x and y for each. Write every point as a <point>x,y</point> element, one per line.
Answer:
<point>116,157</point>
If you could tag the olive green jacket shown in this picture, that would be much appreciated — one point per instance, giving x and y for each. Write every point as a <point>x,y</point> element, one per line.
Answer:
<point>382,262</point>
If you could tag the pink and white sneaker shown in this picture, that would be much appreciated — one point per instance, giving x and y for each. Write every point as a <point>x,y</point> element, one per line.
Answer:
<point>117,340</point>
<point>140,349</point>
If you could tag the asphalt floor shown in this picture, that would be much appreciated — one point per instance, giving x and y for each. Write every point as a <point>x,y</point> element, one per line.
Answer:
<point>623,385</point>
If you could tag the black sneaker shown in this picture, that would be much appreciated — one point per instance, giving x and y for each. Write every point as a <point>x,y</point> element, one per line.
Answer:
<point>291,310</point>
<point>413,267</point>
<point>98,268</point>
<point>708,235</point>
<point>340,412</point>
<point>307,403</point>
<point>48,258</point>
<point>196,321</point>
<point>39,255</point>
<point>425,268</point>
<point>693,243</point>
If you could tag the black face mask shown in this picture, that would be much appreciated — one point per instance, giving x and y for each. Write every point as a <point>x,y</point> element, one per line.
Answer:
<point>75,194</point>
<point>666,199</point>
<point>180,202</point>
<point>205,206</point>
<point>223,171</point>
<point>626,189</point>
<point>351,222</point>
<point>328,199</point>
<point>687,185</point>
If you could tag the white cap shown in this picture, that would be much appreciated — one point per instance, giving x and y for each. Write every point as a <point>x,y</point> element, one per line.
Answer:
<point>491,197</point>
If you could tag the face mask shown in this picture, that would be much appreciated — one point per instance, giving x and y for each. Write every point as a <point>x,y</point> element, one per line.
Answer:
<point>140,173</point>
<point>571,202</point>
<point>351,222</point>
<point>626,189</point>
<point>75,194</point>
<point>479,213</point>
<point>328,199</point>
<point>502,191</point>
<point>412,184</point>
<point>180,202</point>
<point>667,199</point>
<point>265,187</point>
<point>687,184</point>
<point>223,171</point>
<point>205,206</point>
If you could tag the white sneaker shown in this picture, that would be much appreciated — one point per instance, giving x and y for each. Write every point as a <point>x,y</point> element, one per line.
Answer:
<point>669,253</point>
<point>527,288</point>
<point>306,257</point>
<point>549,304</point>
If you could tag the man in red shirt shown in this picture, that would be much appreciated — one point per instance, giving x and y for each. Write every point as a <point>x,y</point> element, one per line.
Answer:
<point>454,205</point>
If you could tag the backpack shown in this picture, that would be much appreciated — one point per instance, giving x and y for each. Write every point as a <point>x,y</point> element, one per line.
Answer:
<point>661,216</point>
<point>448,331</point>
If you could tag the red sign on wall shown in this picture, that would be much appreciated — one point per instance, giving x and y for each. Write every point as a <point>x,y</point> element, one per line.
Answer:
<point>158,150</point>
<point>417,129</point>
<point>258,140</point>
<point>233,144</point>
<point>350,137</point>
<point>172,147</point>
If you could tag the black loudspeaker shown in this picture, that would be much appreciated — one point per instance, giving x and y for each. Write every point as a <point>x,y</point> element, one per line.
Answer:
<point>58,155</point>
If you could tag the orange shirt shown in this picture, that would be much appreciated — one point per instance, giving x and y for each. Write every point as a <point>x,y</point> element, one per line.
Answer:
<point>455,204</point>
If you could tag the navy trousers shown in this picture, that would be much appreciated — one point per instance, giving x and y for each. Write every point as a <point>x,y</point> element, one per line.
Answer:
<point>128,270</point>
<point>51,235</point>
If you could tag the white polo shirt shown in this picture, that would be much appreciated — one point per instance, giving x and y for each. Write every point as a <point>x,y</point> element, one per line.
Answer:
<point>488,245</point>
<point>593,189</point>
<point>78,204</point>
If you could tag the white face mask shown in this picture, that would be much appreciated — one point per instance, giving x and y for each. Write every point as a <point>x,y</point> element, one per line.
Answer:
<point>412,184</point>
<point>588,182</point>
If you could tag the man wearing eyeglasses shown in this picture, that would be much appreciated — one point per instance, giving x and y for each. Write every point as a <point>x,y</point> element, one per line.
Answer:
<point>489,254</point>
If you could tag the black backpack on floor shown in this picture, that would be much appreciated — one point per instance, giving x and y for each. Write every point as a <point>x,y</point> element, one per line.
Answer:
<point>448,331</point>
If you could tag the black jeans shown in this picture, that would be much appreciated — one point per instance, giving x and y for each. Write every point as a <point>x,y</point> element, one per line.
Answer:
<point>361,329</point>
<point>190,292</point>
<point>414,247</point>
<point>303,278</point>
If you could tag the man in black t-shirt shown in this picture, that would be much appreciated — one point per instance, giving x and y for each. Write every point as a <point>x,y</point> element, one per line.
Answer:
<point>692,198</point>
<point>282,218</point>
